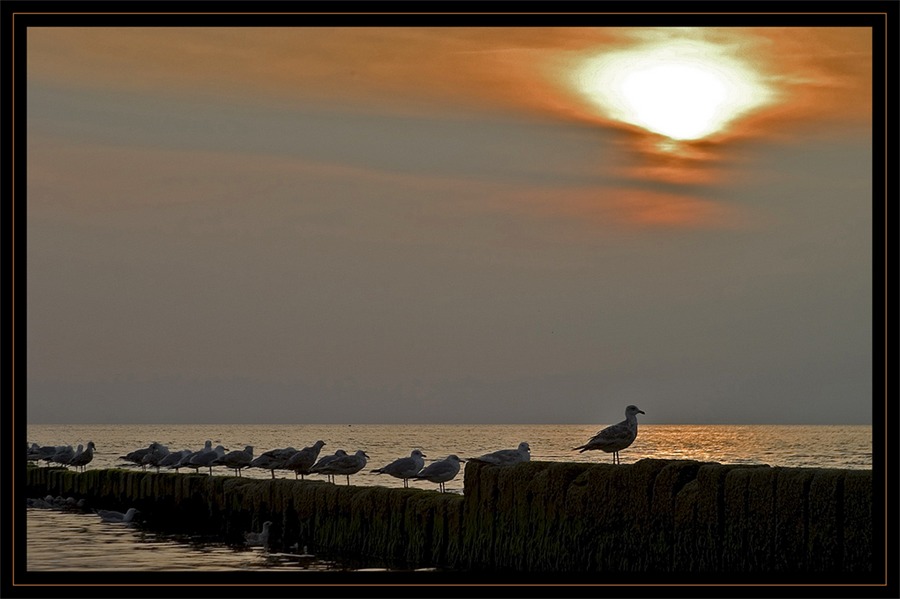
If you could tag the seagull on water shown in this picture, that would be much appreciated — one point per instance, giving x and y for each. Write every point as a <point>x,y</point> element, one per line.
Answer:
<point>616,437</point>
<point>259,538</point>
<point>441,471</point>
<point>304,459</point>
<point>504,457</point>
<point>345,464</point>
<point>404,468</point>
<point>117,517</point>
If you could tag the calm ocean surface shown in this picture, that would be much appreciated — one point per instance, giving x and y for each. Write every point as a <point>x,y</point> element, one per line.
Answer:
<point>72,541</point>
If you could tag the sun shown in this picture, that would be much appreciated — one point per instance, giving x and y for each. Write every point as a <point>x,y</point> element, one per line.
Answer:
<point>684,91</point>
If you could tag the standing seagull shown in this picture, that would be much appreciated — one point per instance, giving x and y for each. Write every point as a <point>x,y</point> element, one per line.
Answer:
<point>45,453</point>
<point>137,456</point>
<point>506,456</point>
<point>235,459</point>
<point>304,459</point>
<point>174,458</point>
<point>152,458</point>
<point>84,458</point>
<point>405,468</point>
<point>64,455</point>
<point>319,467</point>
<point>616,437</point>
<point>273,460</point>
<point>206,458</point>
<point>441,471</point>
<point>186,460</point>
<point>346,465</point>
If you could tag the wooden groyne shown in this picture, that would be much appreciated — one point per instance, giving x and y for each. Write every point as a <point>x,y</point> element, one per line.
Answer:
<point>659,516</point>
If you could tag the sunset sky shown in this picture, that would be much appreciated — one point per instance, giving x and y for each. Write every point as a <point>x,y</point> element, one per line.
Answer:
<point>460,225</point>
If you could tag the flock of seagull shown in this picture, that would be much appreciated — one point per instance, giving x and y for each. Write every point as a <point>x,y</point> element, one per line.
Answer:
<point>70,503</point>
<point>306,461</point>
<point>611,439</point>
<point>62,454</point>
<point>301,462</point>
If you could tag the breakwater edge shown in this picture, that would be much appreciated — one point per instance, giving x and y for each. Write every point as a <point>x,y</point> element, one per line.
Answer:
<point>678,517</point>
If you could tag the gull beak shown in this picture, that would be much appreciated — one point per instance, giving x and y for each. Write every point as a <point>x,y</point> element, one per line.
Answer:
<point>641,412</point>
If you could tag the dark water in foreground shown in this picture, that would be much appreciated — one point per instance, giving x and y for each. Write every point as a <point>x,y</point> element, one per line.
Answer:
<point>59,540</point>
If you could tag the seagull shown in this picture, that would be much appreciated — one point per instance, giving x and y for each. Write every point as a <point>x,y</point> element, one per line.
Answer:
<point>84,458</point>
<point>616,437</point>
<point>34,452</point>
<point>346,465</point>
<point>259,538</point>
<point>136,456</point>
<point>206,458</point>
<point>152,458</point>
<point>506,456</point>
<point>235,459</point>
<point>186,460</point>
<point>44,453</point>
<point>273,459</point>
<point>63,456</point>
<point>174,459</point>
<point>318,466</point>
<point>117,517</point>
<point>441,471</point>
<point>404,468</point>
<point>304,459</point>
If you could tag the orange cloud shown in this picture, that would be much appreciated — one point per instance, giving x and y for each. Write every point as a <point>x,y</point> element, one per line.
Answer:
<point>653,209</point>
<point>821,78</point>
<point>618,208</point>
<point>818,72</point>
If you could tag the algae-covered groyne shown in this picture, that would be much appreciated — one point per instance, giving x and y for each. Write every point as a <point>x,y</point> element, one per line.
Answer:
<point>652,516</point>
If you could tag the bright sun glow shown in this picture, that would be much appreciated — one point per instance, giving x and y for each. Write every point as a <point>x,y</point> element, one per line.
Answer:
<point>685,90</point>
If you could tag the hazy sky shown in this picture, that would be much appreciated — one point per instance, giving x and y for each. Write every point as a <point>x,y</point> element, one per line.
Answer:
<point>405,225</point>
